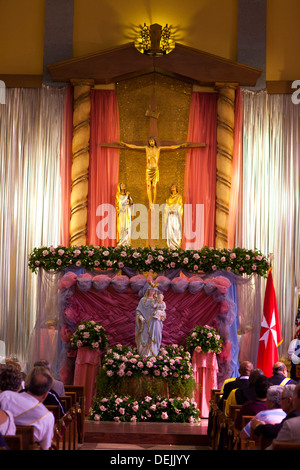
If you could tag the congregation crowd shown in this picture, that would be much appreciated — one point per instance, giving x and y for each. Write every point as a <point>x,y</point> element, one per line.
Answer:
<point>24,401</point>
<point>271,404</point>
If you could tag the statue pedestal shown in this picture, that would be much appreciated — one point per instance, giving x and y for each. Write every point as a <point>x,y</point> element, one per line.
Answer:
<point>86,370</point>
<point>205,369</point>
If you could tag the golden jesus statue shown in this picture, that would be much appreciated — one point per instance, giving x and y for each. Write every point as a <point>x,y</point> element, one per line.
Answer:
<point>152,159</point>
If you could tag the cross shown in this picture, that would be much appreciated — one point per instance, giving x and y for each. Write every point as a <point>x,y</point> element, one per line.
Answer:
<point>152,149</point>
<point>153,114</point>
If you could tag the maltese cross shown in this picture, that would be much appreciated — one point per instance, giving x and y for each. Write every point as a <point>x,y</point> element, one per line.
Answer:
<point>269,328</point>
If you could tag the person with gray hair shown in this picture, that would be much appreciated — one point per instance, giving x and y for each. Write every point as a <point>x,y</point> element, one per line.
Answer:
<point>290,429</point>
<point>270,431</point>
<point>273,413</point>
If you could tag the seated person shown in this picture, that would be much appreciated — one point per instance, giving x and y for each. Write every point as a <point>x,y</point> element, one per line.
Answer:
<point>280,375</point>
<point>58,386</point>
<point>10,377</point>
<point>52,398</point>
<point>7,423</point>
<point>273,412</point>
<point>245,394</point>
<point>238,396</point>
<point>290,430</point>
<point>28,409</point>
<point>270,431</point>
<point>240,382</point>
<point>253,407</point>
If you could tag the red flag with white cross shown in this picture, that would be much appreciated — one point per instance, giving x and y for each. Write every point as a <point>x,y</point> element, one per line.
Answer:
<point>270,332</point>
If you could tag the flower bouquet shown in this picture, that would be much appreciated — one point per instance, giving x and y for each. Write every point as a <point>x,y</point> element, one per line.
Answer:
<point>171,361</point>
<point>89,334</point>
<point>204,339</point>
<point>149,409</point>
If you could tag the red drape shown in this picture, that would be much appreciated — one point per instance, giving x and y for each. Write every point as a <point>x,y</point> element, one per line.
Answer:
<point>104,166</point>
<point>236,169</point>
<point>65,170</point>
<point>200,173</point>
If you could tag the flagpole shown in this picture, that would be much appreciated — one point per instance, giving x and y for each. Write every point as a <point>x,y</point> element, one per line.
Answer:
<point>271,257</point>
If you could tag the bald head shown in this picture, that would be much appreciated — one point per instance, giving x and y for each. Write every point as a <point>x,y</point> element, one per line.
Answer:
<point>245,368</point>
<point>280,367</point>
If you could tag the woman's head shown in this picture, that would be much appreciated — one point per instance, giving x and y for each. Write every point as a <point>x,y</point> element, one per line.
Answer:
<point>174,188</point>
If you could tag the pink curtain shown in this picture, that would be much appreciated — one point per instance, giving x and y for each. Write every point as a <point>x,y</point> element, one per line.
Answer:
<point>236,169</point>
<point>116,313</point>
<point>205,369</point>
<point>104,165</point>
<point>66,164</point>
<point>200,173</point>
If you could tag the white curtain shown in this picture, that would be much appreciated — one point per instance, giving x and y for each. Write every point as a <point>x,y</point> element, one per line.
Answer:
<point>269,203</point>
<point>30,150</point>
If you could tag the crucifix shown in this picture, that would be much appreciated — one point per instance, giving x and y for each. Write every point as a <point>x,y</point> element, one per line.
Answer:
<point>153,151</point>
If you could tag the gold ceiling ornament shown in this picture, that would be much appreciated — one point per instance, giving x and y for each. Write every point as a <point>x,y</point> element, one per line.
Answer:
<point>155,40</point>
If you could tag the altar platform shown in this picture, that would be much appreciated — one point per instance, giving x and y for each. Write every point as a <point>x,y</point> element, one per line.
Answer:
<point>145,436</point>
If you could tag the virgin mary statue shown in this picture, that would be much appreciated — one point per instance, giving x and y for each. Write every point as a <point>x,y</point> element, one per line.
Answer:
<point>148,328</point>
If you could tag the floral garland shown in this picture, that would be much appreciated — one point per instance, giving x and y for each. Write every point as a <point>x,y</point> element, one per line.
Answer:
<point>171,362</point>
<point>204,339</point>
<point>238,260</point>
<point>149,409</point>
<point>89,334</point>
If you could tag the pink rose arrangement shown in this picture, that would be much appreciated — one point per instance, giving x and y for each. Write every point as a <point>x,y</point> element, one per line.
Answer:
<point>172,362</point>
<point>89,334</point>
<point>148,409</point>
<point>204,339</point>
<point>237,260</point>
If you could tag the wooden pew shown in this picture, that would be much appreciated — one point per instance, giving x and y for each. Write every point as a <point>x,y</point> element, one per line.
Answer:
<point>80,407</point>
<point>67,401</point>
<point>248,444</point>
<point>14,442</point>
<point>22,440</point>
<point>58,436</point>
<point>65,435</point>
<point>280,445</point>
<point>27,437</point>
<point>233,410</point>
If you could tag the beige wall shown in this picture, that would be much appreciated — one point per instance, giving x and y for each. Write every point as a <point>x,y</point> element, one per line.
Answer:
<point>209,25</point>
<point>283,40</point>
<point>22,36</point>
